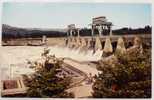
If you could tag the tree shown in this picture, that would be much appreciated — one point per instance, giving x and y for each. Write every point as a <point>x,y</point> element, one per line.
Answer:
<point>130,77</point>
<point>46,82</point>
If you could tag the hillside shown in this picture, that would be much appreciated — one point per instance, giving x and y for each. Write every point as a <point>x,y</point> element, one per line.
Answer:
<point>15,32</point>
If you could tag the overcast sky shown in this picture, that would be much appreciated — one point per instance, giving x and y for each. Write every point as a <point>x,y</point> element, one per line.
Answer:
<point>59,15</point>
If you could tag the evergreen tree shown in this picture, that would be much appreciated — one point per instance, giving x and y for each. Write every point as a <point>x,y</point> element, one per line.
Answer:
<point>47,83</point>
<point>130,77</point>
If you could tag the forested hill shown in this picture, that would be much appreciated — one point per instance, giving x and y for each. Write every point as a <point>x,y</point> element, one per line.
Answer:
<point>146,30</point>
<point>15,32</point>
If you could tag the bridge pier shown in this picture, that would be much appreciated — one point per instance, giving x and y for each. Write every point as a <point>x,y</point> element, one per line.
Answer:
<point>98,44</point>
<point>83,42</point>
<point>88,43</point>
<point>120,46</point>
<point>107,47</point>
<point>108,44</point>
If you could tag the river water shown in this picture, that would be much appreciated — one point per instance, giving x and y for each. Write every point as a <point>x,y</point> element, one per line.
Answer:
<point>13,59</point>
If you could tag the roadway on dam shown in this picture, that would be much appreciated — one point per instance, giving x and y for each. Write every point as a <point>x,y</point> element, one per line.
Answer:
<point>84,67</point>
<point>82,90</point>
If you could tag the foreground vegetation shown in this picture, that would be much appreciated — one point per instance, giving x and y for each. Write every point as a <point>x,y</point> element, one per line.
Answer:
<point>46,82</point>
<point>128,77</point>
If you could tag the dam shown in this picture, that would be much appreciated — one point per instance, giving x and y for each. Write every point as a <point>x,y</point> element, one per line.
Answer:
<point>79,54</point>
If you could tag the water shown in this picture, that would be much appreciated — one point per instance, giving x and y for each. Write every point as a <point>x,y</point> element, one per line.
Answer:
<point>13,59</point>
<point>77,54</point>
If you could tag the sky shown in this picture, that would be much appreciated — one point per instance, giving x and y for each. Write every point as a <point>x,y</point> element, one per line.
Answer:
<point>59,15</point>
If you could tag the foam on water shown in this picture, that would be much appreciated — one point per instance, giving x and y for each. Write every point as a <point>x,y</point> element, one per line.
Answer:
<point>18,56</point>
<point>76,54</point>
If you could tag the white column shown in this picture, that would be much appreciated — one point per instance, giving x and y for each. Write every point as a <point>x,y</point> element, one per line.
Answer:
<point>78,32</point>
<point>92,31</point>
<point>67,33</point>
<point>110,30</point>
<point>43,39</point>
<point>100,30</point>
<point>71,33</point>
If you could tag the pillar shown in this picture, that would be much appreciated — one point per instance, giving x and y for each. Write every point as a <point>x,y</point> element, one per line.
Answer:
<point>44,39</point>
<point>110,30</point>
<point>92,31</point>
<point>67,33</point>
<point>98,44</point>
<point>71,32</point>
<point>78,32</point>
<point>120,46</point>
<point>108,46</point>
<point>100,30</point>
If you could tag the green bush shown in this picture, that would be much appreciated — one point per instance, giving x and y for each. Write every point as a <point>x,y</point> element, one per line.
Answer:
<point>46,84</point>
<point>130,78</point>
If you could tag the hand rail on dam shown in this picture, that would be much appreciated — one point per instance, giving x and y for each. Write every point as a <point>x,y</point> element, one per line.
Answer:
<point>78,71</point>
